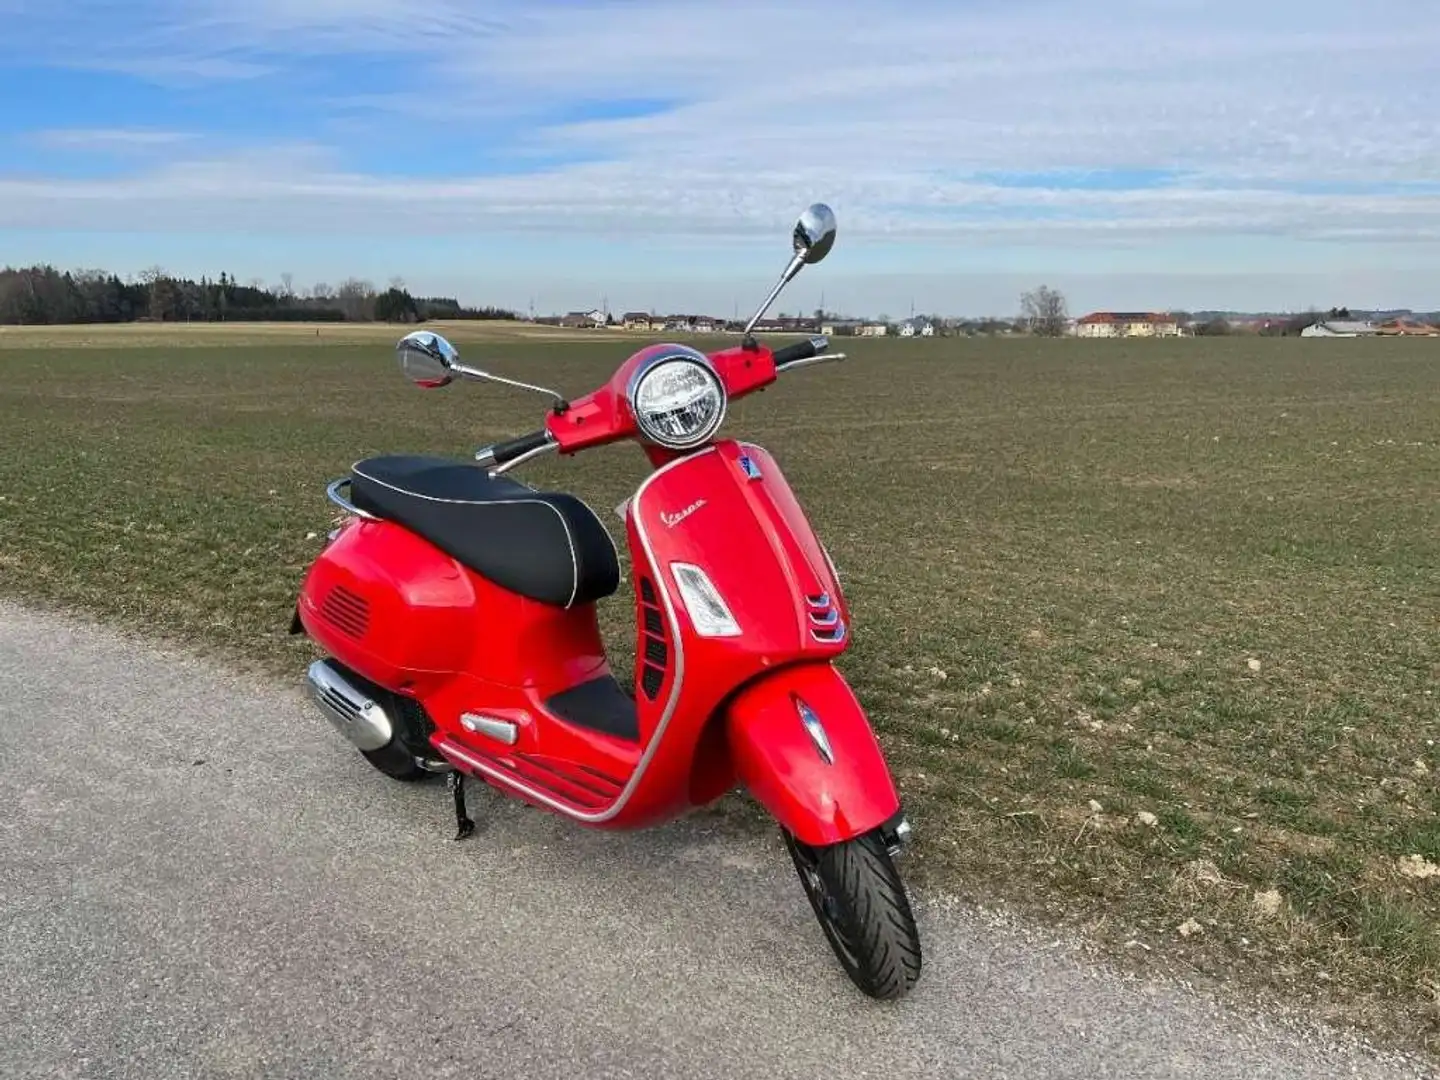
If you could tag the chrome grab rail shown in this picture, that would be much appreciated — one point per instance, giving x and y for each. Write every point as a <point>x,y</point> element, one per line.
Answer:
<point>332,492</point>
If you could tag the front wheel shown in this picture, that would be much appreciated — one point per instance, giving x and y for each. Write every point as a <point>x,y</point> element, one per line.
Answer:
<point>860,901</point>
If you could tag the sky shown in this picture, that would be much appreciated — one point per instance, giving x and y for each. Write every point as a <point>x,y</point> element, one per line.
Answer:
<point>654,154</point>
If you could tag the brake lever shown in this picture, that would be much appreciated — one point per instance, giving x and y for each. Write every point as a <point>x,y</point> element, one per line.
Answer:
<point>821,359</point>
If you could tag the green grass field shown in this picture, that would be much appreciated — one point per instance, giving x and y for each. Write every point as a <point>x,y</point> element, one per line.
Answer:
<point>1148,629</point>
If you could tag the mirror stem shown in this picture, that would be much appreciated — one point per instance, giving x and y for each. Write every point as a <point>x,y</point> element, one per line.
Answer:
<point>475,373</point>
<point>796,261</point>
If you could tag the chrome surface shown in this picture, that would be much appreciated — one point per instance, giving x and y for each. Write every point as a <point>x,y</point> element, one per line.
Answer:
<point>486,455</point>
<point>816,731</point>
<point>548,448</point>
<point>355,715</point>
<point>796,262</point>
<point>814,233</point>
<point>676,352</point>
<point>825,358</point>
<point>426,358</point>
<point>812,238</point>
<point>332,492</point>
<point>478,373</point>
<point>902,836</point>
<point>503,730</point>
<point>825,623</point>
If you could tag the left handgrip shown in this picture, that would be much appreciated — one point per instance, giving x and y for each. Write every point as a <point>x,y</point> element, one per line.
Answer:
<point>502,452</point>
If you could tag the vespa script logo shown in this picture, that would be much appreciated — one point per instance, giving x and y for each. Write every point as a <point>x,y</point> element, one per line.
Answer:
<point>671,520</point>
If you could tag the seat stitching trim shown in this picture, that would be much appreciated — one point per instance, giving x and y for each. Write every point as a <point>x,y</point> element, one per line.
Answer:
<point>569,540</point>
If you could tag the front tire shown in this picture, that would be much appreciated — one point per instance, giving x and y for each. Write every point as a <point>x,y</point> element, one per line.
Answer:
<point>860,902</point>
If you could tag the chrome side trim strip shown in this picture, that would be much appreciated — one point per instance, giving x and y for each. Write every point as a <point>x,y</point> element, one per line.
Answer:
<point>453,750</point>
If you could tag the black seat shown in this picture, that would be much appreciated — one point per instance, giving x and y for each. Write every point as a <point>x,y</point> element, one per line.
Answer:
<point>548,546</point>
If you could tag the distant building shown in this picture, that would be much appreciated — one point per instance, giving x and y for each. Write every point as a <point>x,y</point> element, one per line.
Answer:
<point>586,319</point>
<point>636,320</point>
<point>917,328</point>
<point>869,329</point>
<point>1339,328</point>
<point>1114,324</point>
<point>1407,328</point>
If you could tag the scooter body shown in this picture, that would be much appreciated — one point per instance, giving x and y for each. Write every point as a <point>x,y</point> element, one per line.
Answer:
<point>764,707</point>
<point>458,612</point>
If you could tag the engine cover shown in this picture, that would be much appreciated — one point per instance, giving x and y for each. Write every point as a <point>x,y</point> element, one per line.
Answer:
<point>391,606</point>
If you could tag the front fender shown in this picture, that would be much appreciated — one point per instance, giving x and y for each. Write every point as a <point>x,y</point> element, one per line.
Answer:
<point>785,766</point>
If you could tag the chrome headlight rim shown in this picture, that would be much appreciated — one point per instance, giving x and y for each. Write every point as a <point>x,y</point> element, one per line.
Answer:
<point>683,355</point>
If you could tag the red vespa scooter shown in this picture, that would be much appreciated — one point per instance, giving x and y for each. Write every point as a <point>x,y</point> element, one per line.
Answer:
<point>457,607</point>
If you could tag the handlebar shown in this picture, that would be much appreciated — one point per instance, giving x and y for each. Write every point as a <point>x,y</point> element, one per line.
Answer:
<point>502,453</point>
<point>801,350</point>
<point>499,456</point>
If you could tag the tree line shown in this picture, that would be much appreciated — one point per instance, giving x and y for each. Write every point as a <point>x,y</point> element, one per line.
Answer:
<point>43,295</point>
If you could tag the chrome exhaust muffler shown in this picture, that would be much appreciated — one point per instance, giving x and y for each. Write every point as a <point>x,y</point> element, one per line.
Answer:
<point>354,713</point>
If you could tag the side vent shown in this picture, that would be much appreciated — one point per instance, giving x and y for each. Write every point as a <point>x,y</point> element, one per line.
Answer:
<point>825,623</point>
<point>654,651</point>
<point>346,611</point>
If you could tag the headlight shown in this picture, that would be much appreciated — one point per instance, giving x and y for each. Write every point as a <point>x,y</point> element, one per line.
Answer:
<point>678,401</point>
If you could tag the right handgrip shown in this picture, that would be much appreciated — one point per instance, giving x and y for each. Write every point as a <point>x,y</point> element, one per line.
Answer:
<point>801,350</point>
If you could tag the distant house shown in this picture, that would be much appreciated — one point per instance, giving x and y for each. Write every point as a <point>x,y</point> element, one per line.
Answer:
<point>1115,324</point>
<point>917,328</point>
<point>636,320</point>
<point>1407,328</point>
<point>793,324</point>
<point>872,329</point>
<point>583,319</point>
<point>1347,328</point>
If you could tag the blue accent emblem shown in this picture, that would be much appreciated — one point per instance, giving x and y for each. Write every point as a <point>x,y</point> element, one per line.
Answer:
<point>749,468</point>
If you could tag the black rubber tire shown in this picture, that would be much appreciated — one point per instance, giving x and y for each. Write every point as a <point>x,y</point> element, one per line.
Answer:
<point>396,759</point>
<point>396,762</point>
<point>860,903</point>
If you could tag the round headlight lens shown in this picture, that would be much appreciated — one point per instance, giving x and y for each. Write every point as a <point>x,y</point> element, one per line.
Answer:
<point>678,403</point>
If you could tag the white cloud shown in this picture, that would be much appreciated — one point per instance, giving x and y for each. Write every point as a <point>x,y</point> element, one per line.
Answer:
<point>894,114</point>
<point>107,138</point>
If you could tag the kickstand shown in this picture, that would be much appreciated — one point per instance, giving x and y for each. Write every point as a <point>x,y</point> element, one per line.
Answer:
<point>463,825</point>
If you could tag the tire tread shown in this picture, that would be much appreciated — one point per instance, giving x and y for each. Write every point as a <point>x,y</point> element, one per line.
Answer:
<point>875,918</point>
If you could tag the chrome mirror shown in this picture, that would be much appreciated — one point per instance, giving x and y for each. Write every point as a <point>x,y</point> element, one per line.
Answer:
<point>815,233</point>
<point>812,239</point>
<point>427,359</point>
